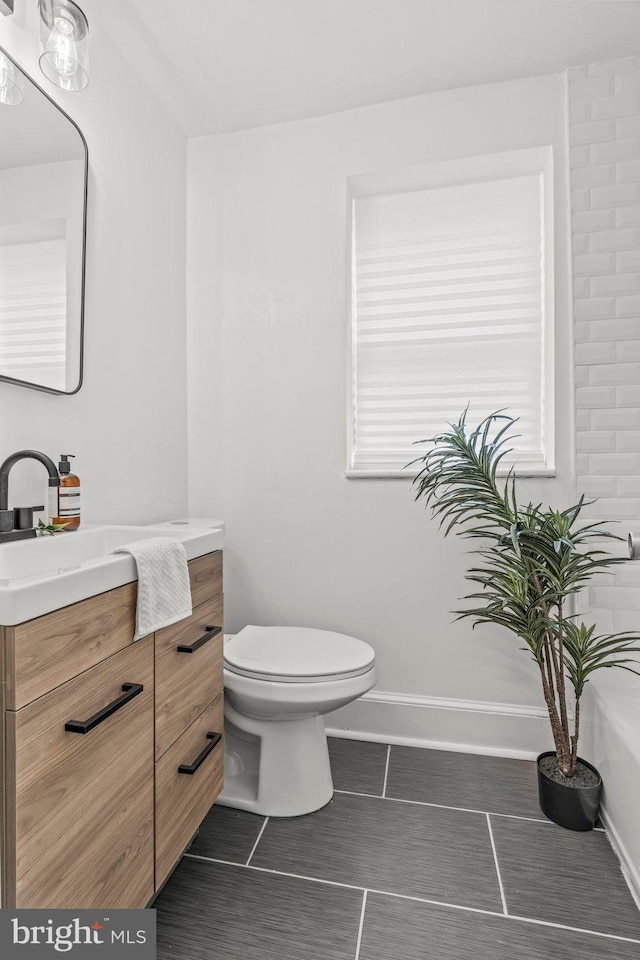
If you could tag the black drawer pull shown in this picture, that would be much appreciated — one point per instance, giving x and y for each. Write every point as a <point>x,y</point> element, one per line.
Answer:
<point>211,632</point>
<point>130,690</point>
<point>191,768</point>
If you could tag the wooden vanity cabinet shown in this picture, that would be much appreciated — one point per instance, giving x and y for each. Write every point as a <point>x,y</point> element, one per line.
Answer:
<point>80,818</point>
<point>188,779</point>
<point>189,707</point>
<point>41,654</point>
<point>188,671</point>
<point>96,811</point>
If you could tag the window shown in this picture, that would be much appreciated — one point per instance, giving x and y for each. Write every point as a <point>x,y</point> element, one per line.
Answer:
<point>452,304</point>
<point>33,305</point>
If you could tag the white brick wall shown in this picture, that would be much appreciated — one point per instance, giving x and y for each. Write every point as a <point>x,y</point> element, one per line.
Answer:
<point>604,122</point>
<point>604,114</point>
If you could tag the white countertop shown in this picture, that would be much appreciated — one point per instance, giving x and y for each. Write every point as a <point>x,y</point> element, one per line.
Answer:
<point>43,574</point>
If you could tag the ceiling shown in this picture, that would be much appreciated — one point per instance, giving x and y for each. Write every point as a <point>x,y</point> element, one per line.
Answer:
<point>224,65</point>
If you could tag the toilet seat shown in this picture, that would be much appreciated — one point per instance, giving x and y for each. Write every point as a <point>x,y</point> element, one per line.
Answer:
<point>296,655</point>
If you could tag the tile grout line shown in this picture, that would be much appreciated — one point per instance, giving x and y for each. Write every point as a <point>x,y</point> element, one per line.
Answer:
<point>361,925</point>
<point>414,899</point>
<point>561,926</point>
<point>444,806</point>
<point>441,806</point>
<point>253,849</point>
<point>279,873</point>
<point>386,771</point>
<point>495,857</point>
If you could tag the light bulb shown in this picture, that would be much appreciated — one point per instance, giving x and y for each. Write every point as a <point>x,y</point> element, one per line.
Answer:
<point>61,44</point>
<point>64,44</point>
<point>10,92</point>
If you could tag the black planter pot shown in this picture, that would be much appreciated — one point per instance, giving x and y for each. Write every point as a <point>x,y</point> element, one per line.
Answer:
<point>575,808</point>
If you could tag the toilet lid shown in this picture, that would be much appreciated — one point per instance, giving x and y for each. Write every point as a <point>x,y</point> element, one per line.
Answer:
<point>301,654</point>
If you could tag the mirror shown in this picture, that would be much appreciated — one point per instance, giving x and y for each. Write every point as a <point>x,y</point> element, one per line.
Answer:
<point>43,201</point>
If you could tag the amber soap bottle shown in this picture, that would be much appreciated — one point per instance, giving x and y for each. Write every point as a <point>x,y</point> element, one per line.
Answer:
<point>68,495</point>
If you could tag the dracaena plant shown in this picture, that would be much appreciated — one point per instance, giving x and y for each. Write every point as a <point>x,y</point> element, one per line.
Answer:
<point>531,561</point>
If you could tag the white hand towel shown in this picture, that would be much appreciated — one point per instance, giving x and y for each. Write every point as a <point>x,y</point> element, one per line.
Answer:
<point>164,590</point>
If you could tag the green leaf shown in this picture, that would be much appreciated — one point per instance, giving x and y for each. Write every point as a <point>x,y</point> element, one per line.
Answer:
<point>531,559</point>
<point>44,529</point>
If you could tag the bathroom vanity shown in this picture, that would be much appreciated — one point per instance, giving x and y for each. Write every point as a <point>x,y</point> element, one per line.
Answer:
<point>113,750</point>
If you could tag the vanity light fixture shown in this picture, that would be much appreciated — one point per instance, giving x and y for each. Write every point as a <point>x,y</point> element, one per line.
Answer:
<point>64,44</point>
<point>11,92</point>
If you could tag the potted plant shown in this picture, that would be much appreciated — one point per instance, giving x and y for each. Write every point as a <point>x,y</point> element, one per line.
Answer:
<point>532,562</point>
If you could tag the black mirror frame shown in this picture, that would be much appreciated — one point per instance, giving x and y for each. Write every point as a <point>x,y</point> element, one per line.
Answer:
<point>27,383</point>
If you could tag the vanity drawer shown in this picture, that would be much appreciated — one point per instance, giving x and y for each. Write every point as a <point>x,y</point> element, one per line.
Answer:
<point>80,826</point>
<point>45,652</point>
<point>183,799</point>
<point>187,682</point>
<point>205,574</point>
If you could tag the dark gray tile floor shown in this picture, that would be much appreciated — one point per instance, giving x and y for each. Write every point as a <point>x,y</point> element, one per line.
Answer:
<point>493,784</point>
<point>582,863</point>
<point>227,834</point>
<point>396,929</point>
<point>219,912</point>
<point>376,844</point>
<point>358,765</point>
<point>421,855</point>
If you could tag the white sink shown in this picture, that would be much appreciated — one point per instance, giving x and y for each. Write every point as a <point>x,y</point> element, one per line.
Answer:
<point>42,574</point>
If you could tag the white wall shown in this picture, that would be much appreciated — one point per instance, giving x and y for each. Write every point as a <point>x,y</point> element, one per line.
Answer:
<point>267,253</point>
<point>127,425</point>
<point>605,162</point>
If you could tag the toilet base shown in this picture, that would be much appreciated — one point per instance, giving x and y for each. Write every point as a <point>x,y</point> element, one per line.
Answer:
<point>276,768</point>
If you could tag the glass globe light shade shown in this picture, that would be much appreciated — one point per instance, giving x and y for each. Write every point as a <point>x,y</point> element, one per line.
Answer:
<point>64,44</point>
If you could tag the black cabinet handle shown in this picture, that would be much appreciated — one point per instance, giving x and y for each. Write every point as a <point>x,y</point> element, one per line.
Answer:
<point>191,768</point>
<point>210,632</point>
<point>130,690</point>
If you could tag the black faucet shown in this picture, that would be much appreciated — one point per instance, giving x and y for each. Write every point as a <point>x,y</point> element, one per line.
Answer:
<point>17,524</point>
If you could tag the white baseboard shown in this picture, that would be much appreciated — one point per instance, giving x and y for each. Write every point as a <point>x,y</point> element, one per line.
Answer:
<point>611,737</point>
<point>468,726</point>
<point>631,874</point>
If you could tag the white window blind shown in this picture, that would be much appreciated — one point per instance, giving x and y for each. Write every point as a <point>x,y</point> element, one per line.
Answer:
<point>33,311</point>
<point>448,310</point>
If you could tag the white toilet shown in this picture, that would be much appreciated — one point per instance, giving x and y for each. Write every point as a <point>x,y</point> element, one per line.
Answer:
<point>279,682</point>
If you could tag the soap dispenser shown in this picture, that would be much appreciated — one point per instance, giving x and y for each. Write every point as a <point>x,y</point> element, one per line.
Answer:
<point>68,495</point>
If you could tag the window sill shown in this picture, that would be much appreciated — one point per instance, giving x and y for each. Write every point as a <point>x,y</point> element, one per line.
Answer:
<point>524,472</point>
